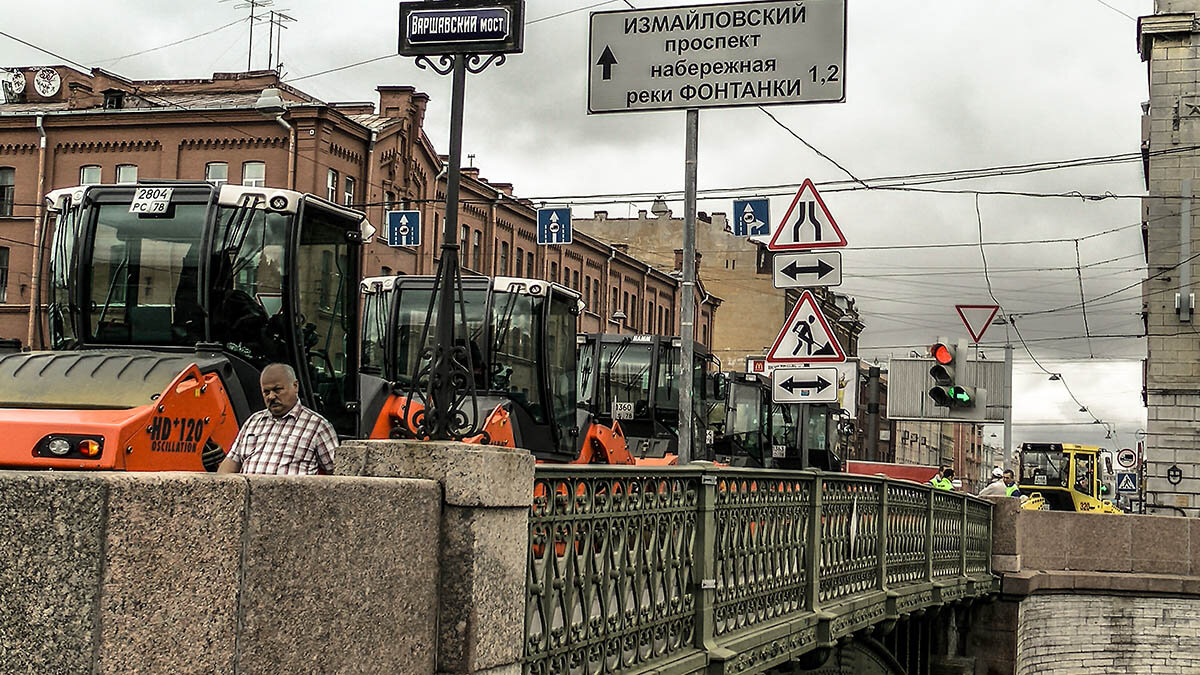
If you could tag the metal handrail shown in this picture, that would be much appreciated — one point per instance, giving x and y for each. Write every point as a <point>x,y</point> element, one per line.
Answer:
<point>629,565</point>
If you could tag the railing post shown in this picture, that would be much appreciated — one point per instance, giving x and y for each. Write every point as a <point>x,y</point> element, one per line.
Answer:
<point>929,533</point>
<point>706,560</point>
<point>812,558</point>
<point>962,540</point>
<point>882,532</point>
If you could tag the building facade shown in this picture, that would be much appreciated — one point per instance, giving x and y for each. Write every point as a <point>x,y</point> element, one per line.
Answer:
<point>1169,43</point>
<point>66,127</point>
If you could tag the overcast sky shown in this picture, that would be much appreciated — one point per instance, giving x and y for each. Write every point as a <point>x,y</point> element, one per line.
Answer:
<point>935,85</point>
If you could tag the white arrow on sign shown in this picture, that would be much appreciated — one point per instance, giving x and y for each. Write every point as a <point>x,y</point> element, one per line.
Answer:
<point>804,385</point>
<point>798,270</point>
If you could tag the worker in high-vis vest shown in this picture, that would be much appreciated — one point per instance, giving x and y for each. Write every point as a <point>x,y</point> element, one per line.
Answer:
<point>944,479</point>
<point>1010,484</point>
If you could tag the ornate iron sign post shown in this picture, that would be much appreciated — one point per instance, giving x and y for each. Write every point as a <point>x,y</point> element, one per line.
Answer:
<point>466,36</point>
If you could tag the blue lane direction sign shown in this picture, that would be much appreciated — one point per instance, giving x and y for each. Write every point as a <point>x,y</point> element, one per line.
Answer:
<point>554,225</point>
<point>751,217</point>
<point>404,228</point>
<point>1126,482</point>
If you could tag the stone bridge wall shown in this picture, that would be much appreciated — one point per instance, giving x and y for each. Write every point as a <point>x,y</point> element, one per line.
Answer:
<point>1092,593</point>
<point>1063,634</point>
<point>412,561</point>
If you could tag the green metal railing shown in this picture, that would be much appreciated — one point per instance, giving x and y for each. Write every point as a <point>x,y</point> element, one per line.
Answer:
<point>628,565</point>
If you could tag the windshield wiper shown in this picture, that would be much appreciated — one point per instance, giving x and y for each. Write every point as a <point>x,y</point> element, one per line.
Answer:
<point>112,286</point>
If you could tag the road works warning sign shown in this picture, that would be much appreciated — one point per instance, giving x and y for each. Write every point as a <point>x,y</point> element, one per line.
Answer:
<point>806,337</point>
<point>710,56</point>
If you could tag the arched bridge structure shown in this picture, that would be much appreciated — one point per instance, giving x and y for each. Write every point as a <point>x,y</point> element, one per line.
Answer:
<point>706,569</point>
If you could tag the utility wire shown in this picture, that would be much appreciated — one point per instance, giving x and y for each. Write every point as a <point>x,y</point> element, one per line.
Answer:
<point>810,147</point>
<point>172,44</point>
<point>1083,300</point>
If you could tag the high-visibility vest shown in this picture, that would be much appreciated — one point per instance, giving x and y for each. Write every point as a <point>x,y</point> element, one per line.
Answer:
<point>1010,490</point>
<point>942,483</point>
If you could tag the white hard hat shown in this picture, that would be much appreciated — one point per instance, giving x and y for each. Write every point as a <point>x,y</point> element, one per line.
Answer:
<point>997,472</point>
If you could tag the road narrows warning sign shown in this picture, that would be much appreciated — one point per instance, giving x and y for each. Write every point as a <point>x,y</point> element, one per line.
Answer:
<point>807,224</point>
<point>806,337</point>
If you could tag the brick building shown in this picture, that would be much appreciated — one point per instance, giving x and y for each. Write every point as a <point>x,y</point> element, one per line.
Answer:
<point>65,127</point>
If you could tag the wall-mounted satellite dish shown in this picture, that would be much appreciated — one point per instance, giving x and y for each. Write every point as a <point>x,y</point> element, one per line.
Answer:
<point>47,82</point>
<point>14,81</point>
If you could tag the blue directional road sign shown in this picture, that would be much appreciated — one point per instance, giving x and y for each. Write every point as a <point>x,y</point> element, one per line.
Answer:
<point>751,217</point>
<point>1126,482</point>
<point>404,228</point>
<point>554,226</point>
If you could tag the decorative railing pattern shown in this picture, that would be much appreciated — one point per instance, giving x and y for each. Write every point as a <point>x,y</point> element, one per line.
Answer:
<point>609,581</point>
<point>761,521</point>
<point>629,565</point>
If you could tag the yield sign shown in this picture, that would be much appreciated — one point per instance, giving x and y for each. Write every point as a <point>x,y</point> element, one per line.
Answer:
<point>977,318</point>
<point>805,337</point>
<point>807,224</point>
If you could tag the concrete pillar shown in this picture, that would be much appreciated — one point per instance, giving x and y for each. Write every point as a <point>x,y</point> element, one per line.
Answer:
<point>487,491</point>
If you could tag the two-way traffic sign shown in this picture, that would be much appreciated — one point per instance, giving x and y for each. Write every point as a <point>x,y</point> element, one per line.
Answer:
<point>797,270</point>
<point>806,337</point>
<point>804,385</point>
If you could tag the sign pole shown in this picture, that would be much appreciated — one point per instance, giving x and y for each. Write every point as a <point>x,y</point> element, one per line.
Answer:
<point>687,315</point>
<point>1010,458</point>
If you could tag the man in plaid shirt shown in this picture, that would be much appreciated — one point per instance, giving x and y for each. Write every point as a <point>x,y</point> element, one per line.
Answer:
<point>286,438</point>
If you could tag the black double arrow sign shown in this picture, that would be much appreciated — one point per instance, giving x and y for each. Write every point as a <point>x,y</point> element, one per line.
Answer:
<point>820,269</point>
<point>820,384</point>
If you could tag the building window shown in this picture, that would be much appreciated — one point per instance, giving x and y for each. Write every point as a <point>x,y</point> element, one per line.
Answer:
<point>462,244</point>
<point>615,300</point>
<point>7,179</point>
<point>89,175</point>
<point>633,311</point>
<point>587,290</point>
<point>331,186</point>
<point>625,307</point>
<point>596,296</point>
<point>216,173</point>
<point>553,271</point>
<point>575,280</point>
<point>503,258</point>
<point>349,191</point>
<point>254,174</point>
<point>650,316</point>
<point>529,264</point>
<point>389,198</point>
<point>477,252</point>
<point>3,274</point>
<point>127,173</point>
<point>520,262</point>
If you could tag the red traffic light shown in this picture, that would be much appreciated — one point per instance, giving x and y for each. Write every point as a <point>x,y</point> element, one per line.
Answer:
<point>942,353</point>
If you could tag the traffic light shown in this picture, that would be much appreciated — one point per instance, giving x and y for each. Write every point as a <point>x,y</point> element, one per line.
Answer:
<point>947,393</point>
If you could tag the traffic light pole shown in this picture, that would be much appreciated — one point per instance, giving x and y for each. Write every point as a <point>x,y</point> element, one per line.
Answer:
<point>687,314</point>
<point>1009,456</point>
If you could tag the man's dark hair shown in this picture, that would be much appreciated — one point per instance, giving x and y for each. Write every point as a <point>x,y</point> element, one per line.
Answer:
<point>948,472</point>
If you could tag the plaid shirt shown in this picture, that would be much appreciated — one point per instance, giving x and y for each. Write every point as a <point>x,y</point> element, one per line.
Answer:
<point>296,443</point>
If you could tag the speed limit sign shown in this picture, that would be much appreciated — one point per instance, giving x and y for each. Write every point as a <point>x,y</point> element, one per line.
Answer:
<point>1127,458</point>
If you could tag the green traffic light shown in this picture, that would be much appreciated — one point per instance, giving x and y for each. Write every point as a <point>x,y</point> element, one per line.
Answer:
<point>961,395</point>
